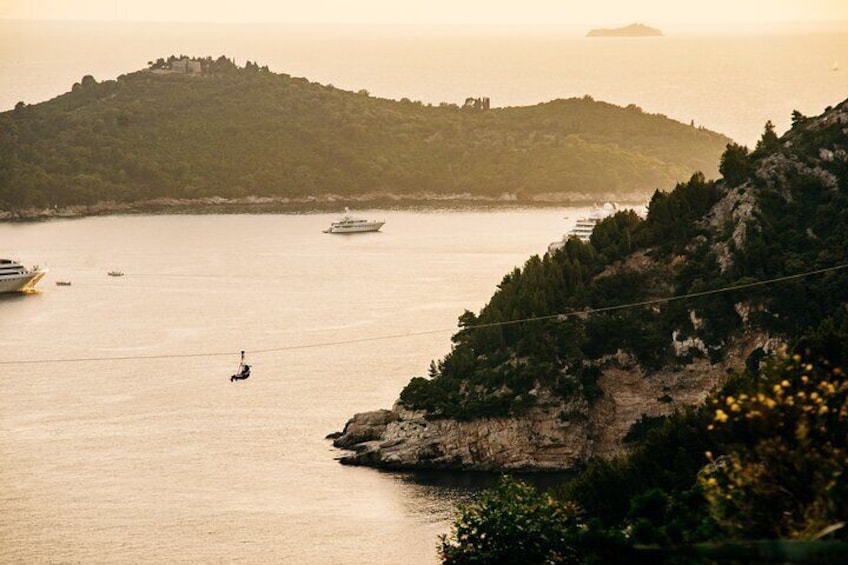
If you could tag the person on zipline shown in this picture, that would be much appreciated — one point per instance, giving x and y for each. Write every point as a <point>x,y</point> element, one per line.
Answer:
<point>243,370</point>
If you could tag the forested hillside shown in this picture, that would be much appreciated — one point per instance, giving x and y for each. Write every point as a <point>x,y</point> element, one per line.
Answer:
<point>779,211</point>
<point>756,472</point>
<point>232,132</point>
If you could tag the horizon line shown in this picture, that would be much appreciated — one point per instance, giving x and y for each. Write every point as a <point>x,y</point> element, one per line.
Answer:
<point>434,23</point>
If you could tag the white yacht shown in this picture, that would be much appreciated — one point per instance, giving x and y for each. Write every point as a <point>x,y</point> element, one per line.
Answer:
<point>14,277</point>
<point>583,227</point>
<point>349,224</point>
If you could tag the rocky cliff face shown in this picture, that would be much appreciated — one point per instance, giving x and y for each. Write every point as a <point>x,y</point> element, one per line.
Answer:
<point>555,435</point>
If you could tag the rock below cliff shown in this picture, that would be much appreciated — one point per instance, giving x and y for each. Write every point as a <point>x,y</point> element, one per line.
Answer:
<point>544,439</point>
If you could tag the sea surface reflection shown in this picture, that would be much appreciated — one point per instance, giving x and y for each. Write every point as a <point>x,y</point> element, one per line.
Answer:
<point>122,437</point>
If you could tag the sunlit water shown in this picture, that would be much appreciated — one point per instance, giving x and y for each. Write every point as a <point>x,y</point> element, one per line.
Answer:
<point>163,460</point>
<point>728,82</point>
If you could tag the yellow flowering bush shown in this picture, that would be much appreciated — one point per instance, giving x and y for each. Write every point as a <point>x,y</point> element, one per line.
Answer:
<point>783,466</point>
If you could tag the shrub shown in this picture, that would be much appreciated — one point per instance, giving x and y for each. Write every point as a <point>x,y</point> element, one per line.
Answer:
<point>782,468</point>
<point>512,524</point>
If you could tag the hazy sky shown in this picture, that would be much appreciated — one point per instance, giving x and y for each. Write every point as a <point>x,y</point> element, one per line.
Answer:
<point>596,12</point>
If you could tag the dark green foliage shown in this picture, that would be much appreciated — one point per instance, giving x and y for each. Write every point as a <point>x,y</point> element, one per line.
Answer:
<point>640,331</point>
<point>236,131</point>
<point>639,430</point>
<point>588,377</point>
<point>800,228</point>
<point>673,218</point>
<point>513,524</point>
<point>613,236</point>
<point>623,288</point>
<point>769,142</point>
<point>735,167</point>
<point>418,393</point>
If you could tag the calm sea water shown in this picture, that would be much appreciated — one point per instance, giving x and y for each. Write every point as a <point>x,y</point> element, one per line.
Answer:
<point>164,460</point>
<point>731,82</point>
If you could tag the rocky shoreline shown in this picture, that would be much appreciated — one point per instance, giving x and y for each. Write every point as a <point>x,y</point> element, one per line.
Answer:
<point>555,435</point>
<point>324,203</point>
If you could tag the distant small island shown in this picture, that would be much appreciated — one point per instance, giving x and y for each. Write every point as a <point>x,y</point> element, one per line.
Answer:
<point>633,30</point>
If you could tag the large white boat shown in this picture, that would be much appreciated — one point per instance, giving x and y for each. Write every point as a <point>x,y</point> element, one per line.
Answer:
<point>349,224</point>
<point>584,226</point>
<point>14,277</point>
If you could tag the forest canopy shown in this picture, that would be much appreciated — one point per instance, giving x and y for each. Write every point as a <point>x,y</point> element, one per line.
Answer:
<point>204,127</point>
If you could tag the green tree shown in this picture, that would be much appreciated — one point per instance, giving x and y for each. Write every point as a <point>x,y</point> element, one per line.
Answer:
<point>512,524</point>
<point>735,166</point>
<point>769,142</point>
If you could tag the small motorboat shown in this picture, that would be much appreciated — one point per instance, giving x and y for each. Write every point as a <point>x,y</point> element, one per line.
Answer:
<point>349,224</point>
<point>243,371</point>
<point>115,273</point>
<point>63,283</point>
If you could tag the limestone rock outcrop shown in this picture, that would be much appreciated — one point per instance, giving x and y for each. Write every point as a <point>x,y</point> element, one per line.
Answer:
<point>554,435</point>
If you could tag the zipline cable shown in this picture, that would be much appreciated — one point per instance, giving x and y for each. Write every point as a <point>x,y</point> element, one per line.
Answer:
<point>560,316</point>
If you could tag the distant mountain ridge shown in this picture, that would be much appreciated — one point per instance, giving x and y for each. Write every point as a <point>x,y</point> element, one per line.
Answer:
<point>203,128</point>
